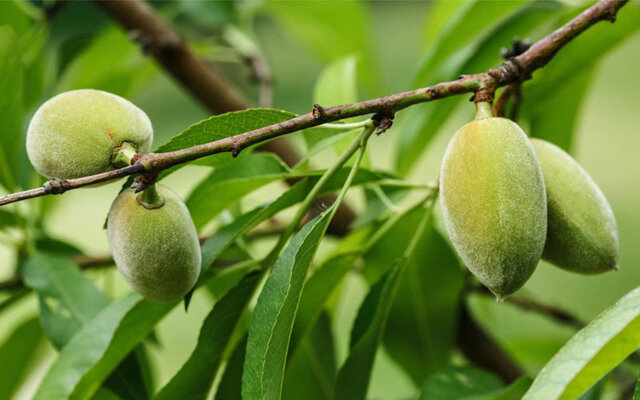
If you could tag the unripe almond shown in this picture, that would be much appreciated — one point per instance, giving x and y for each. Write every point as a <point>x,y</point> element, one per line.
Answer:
<point>493,201</point>
<point>582,235</point>
<point>156,249</point>
<point>74,133</point>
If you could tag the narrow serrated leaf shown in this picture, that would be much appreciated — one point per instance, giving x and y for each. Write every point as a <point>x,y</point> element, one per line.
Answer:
<point>67,298</point>
<point>273,317</point>
<point>194,379</point>
<point>90,356</point>
<point>592,352</point>
<point>226,186</point>
<point>230,387</point>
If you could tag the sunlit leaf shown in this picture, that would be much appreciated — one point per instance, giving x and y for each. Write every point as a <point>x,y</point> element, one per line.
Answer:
<point>273,317</point>
<point>592,352</point>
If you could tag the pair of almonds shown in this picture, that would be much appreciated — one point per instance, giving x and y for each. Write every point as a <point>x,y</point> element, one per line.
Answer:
<point>154,243</point>
<point>508,200</point>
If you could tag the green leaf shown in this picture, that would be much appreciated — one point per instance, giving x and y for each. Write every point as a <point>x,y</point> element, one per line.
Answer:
<point>553,97</point>
<point>14,15</point>
<point>466,383</point>
<point>424,312</point>
<point>311,371</point>
<point>212,248</point>
<point>230,387</point>
<point>316,292</point>
<point>219,127</point>
<point>371,321</point>
<point>592,352</point>
<point>636,395</point>
<point>8,219</point>
<point>101,344</point>
<point>555,120</point>
<point>132,379</point>
<point>332,29</point>
<point>337,83</point>
<point>112,62</point>
<point>68,299</point>
<point>195,377</point>
<point>226,186</point>
<point>11,109</point>
<point>422,123</point>
<point>18,349</point>
<point>211,14</point>
<point>353,378</point>
<point>273,317</point>
<point>459,383</point>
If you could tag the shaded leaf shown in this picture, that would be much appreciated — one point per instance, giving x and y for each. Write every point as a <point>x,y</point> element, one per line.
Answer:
<point>636,395</point>
<point>353,378</point>
<point>195,377</point>
<point>230,387</point>
<point>226,186</point>
<point>67,298</point>
<point>8,219</point>
<point>458,383</point>
<point>95,68</point>
<point>273,317</point>
<point>557,87</point>
<point>11,109</point>
<point>467,383</point>
<point>424,311</point>
<point>311,371</point>
<point>592,352</point>
<point>332,30</point>
<point>522,19</point>
<point>97,348</point>
<point>18,349</point>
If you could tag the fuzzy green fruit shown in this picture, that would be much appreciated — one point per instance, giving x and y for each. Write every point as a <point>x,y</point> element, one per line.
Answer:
<point>74,133</point>
<point>582,235</point>
<point>157,250</point>
<point>493,202</point>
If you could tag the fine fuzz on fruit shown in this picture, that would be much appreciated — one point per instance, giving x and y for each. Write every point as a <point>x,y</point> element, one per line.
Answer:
<point>582,235</point>
<point>157,249</point>
<point>493,202</point>
<point>74,133</point>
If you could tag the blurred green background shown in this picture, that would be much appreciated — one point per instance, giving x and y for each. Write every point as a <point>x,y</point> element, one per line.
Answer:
<point>606,142</point>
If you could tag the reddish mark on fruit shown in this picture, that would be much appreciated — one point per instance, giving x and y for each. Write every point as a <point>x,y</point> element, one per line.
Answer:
<point>110,134</point>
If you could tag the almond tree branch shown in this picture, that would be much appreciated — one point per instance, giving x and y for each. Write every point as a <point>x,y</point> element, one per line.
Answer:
<point>514,70</point>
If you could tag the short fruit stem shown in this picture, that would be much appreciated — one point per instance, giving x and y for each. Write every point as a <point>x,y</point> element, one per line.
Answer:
<point>483,110</point>
<point>121,156</point>
<point>150,198</point>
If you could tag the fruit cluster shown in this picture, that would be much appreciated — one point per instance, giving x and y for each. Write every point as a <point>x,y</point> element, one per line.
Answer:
<point>151,234</point>
<point>508,200</point>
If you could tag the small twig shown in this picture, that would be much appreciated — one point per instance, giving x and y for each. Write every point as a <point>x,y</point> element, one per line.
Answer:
<point>500,105</point>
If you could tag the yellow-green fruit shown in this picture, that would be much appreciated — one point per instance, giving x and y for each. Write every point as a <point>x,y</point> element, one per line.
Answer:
<point>157,250</point>
<point>74,133</point>
<point>493,202</point>
<point>582,235</point>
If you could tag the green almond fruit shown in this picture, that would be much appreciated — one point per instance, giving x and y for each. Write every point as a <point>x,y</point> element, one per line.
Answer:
<point>582,235</point>
<point>75,133</point>
<point>493,201</point>
<point>154,243</point>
